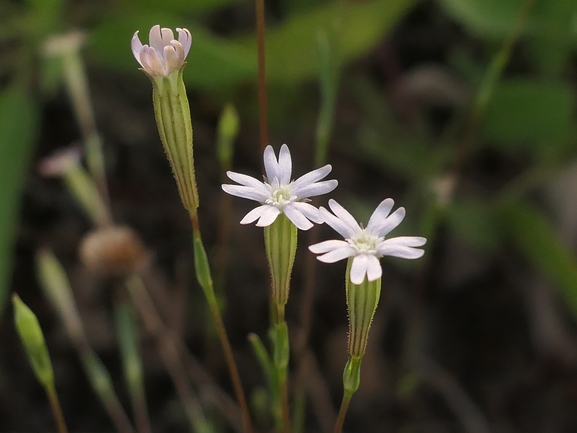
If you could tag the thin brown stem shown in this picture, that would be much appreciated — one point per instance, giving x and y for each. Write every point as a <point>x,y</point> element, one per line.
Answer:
<point>168,351</point>
<point>160,331</point>
<point>57,410</point>
<point>262,95</point>
<point>342,414</point>
<point>208,289</point>
<point>232,368</point>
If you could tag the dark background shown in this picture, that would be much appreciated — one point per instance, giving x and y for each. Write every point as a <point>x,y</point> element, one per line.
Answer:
<point>475,140</point>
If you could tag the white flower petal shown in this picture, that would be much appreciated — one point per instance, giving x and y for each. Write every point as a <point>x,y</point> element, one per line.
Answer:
<point>271,167</point>
<point>374,270</point>
<point>136,46</point>
<point>185,39</point>
<point>383,227</point>
<point>268,217</point>
<point>343,215</point>
<point>296,217</point>
<point>312,176</point>
<point>285,165</point>
<point>248,181</point>
<point>380,214</point>
<point>359,268</point>
<point>245,192</point>
<point>254,214</point>
<point>315,189</point>
<point>173,57</point>
<point>402,247</point>
<point>309,211</point>
<point>326,246</point>
<point>155,38</point>
<point>338,225</point>
<point>337,254</point>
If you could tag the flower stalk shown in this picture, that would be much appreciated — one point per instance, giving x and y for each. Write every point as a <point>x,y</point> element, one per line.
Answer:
<point>205,281</point>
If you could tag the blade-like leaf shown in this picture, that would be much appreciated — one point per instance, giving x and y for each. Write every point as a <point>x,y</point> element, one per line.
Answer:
<point>535,238</point>
<point>18,131</point>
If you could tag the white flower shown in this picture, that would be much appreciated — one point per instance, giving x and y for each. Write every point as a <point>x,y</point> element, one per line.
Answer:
<point>366,245</point>
<point>165,54</point>
<point>277,194</point>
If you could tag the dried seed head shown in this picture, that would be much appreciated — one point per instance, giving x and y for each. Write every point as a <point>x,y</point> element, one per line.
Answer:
<point>114,251</point>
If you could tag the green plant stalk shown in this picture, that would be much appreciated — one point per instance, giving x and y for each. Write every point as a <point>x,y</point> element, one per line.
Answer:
<point>33,339</point>
<point>132,363</point>
<point>56,287</point>
<point>280,240</point>
<point>227,132</point>
<point>85,190</point>
<point>204,278</point>
<point>102,384</point>
<point>281,353</point>
<point>485,92</point>
<point>77,85</point>
<point>56,410</point>
<point>271,376</point>
<point>342,414</point>
<point>170,354</point>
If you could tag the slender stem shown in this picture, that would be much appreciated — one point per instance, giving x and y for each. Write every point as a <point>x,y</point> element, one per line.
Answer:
<point>342,413</point>
<point>285,405</point>
<point>208,290</point>
<point>169,353</point>
<point>262,95</point>
<point>489,80</point>
<point>56,410</point>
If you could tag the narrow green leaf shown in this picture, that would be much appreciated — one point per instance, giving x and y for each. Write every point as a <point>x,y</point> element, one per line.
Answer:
<point>535,238</point>
<point>18,132</point>
<point>528,111</point>
<point>549,19</point>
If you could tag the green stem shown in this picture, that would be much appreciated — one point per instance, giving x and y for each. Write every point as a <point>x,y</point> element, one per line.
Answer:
<point>56,410</point>
<point>205,280</point>
<point>170,355</point>
<point>342,413</point>
<point>285,404</point>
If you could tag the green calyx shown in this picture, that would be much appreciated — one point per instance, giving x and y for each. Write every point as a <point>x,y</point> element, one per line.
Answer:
<point>352,375</point>
<point>280,240</point>
<point>362,301</point>
<point>174,124</point>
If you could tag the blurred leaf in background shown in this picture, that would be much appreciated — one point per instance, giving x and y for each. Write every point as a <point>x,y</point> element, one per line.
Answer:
<point>19,121</point>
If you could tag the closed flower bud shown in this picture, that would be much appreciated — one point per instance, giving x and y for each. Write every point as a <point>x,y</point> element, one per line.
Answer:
<point>163,61</point>
<point>31,335</point>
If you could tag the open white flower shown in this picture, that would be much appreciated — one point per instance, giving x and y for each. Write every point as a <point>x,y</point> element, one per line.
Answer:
<point>366,245</point>
<point>277,194</point>
<point>164,55</point>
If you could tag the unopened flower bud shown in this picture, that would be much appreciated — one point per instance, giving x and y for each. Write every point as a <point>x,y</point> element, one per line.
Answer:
<point>33,339</point>
<point>163,61</point>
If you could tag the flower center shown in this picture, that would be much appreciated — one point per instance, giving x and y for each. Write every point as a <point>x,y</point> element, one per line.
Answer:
<point>280,196</point>
<point>365,242</point>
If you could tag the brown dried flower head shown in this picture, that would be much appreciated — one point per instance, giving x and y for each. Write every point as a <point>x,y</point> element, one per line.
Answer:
<point>114,251</point>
